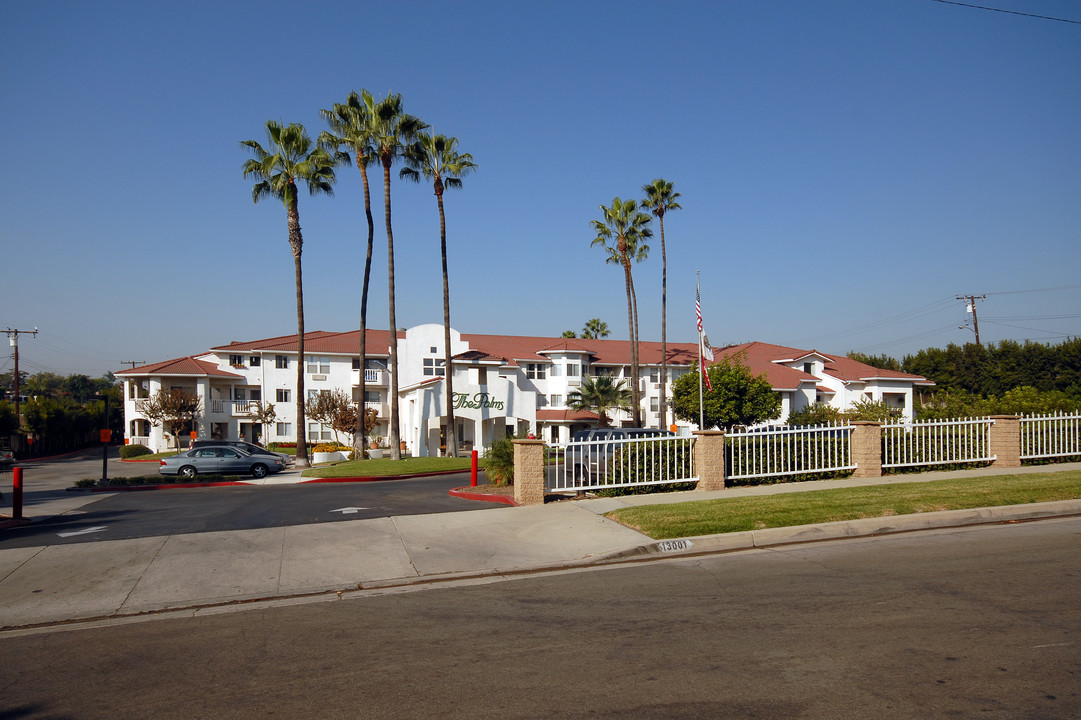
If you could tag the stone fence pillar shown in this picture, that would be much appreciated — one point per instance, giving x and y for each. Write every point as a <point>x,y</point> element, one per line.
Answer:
<point>529,472</point>
<point>1004,441</point>
<point>867,448</point>
<point>709,459</point>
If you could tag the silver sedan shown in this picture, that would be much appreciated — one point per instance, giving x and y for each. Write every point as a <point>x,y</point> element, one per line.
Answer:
<point>220,460</point>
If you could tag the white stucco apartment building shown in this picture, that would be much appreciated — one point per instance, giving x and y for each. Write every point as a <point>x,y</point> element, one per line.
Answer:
<point>502,384</point>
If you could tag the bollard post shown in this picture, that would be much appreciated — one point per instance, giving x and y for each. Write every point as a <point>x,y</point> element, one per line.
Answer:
<point>473,470</point>
<point>17,493</point>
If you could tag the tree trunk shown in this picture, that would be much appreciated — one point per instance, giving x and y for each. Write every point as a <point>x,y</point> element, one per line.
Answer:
<point>664,329</point>
<point>452,430</point>
<point>392,431</point>
<point>636,367</point>
<point>362,430</point>
<point>630,330</point>
<point>296,241</point>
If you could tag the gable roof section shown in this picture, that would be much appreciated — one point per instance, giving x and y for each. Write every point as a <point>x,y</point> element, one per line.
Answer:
<point>318,342</point>
<point>185,366</point>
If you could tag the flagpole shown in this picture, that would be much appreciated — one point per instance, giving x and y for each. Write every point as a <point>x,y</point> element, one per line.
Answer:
<point>701,369</point>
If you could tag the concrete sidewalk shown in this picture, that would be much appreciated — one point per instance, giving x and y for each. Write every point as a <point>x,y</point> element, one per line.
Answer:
<point>208,572</point>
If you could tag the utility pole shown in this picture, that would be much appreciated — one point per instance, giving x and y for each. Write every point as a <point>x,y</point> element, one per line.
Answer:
<point>970,301</point>
<point>13,338</point>
<point>133,363</point>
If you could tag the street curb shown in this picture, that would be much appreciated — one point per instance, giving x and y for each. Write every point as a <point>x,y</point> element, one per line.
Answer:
<point>466,494</point>
<point>862,528</point>
<point>10,522</point>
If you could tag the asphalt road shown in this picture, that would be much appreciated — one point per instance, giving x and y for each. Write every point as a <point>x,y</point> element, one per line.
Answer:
<point>147,513</point>
<point>976,622</point>
<point>174,511</point>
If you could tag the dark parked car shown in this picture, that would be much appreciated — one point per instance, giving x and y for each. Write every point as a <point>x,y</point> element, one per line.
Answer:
<point>220,460</point>
<point>247,447</point>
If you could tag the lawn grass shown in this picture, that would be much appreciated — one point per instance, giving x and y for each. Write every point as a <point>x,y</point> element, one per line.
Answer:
<point>709,517</point>
<point>383,467</point>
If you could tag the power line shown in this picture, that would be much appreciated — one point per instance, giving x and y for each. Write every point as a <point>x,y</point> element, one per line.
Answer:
<point>1007,12</point>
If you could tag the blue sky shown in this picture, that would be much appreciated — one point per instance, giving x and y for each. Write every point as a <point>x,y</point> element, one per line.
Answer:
<point>847,167</point>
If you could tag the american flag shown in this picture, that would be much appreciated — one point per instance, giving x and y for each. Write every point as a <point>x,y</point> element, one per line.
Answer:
<point>698,307</point>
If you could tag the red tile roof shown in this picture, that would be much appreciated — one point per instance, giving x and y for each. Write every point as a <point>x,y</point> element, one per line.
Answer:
<point>181,366</point>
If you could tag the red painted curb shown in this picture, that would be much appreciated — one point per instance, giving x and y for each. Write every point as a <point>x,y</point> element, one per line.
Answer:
<point>464,493</point>
<point>376,478</point>
<point>8,522</point>
<point>166,486</point>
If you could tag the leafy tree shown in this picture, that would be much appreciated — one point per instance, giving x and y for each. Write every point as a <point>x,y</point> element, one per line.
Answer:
<point>43,385</point>
<point>324,406</point>
<point>816,414</point>
<point>882,362</point>
<point>436,158</point>
<point>737,397</point>
<point>291,156</point>
<point>263,412</point>
<point>595,329</point>
<point>867,409</point>
<point>569,334</point>
<point>622,232</point>
<point>173,410</point>
<point>352,129</point>
<point>392,130</point>
<point>660,198</point>
<point>9,424</point>
<point>600,395</point>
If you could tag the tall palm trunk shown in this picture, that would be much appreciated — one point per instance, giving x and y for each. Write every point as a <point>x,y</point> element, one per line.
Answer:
<point>622,248</point>
<point>362,430</point>
<point>636,365</point>
<point>296,241</point>
<point>392,431</point>
<point>452,429</point>
<point>664,328</point>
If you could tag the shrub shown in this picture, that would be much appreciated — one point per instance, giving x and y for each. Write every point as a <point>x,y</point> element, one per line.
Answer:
<point>817,414</point>
<point>331,447</point>
<point>499,462</point>
<point>130,451</point>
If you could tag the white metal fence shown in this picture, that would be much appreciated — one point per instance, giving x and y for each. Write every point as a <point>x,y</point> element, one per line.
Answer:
<point>1049,436</point>
<point>600,464</point>
<point>788,450</point>
<point>940,442</point>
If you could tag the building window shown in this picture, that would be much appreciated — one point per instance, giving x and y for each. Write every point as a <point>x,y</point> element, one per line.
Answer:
<point>654,375</point>
<point>557,401</point>
<point>572,370</point>
<point>281,395</point>
<point>535,371</point>
<point>372,396</point>
<point>435,366</point>
<point>239,394</point>
<point>556,370</point>
<point>255,394</point>
<point>253,361</point>
<point>808,368</point>
<point>654,404</point>
<point>555,434</point>
<point>284,430</point>
<point>318,432</point>
<point>318,365</point>
<point>236,360</point>
<point>281,362</point>
<point>602,371</point>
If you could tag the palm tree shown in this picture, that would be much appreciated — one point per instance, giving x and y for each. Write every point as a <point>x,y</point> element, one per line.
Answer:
<point>660,198</point>
<point>600,395</point>
<point>435,158</point>
<point>290,156</point>
<point>392,131</point>
<point>595,329</point>
<point>629,228</point>
<point>351,131</point>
